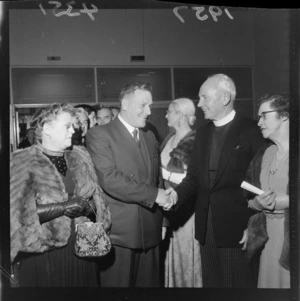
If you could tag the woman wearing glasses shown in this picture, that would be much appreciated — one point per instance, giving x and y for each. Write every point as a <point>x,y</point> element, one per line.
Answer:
<point>268,229</point>
<point>182,263</point>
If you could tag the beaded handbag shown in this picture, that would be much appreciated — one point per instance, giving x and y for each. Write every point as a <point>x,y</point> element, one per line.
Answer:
<point>91,239</point>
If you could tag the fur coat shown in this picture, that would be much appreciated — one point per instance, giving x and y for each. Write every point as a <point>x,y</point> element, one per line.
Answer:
<point>257,229</point>
<point>35,180</point>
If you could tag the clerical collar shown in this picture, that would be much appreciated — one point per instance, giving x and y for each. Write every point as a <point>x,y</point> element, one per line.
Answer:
<point>128,126</point>
<point>229,117</point>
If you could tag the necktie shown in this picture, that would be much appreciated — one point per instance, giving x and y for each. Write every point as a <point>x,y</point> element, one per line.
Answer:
<point>135,135</point>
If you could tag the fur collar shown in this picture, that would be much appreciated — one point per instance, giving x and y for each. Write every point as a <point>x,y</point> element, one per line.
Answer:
<point>181,154</point>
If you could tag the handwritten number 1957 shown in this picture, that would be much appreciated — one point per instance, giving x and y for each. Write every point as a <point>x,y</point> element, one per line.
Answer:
<point>214,11</point>
<point>68,12</point>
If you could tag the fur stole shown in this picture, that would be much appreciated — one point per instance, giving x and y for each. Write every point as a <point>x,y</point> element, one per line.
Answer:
<point>257,229</point>
<point>34,179</point>
<point>181,154</point>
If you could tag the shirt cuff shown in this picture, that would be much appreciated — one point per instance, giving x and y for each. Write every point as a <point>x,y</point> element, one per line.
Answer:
<point>173,177</point>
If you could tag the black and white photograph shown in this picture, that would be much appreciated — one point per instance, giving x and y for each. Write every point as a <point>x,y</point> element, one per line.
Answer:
<point>149,150</point>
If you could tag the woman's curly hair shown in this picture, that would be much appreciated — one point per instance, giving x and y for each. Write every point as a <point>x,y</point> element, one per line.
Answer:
<point>278,102</point>
<point>48,114</point>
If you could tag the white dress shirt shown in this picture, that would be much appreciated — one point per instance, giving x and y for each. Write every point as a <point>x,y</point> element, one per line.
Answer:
<point>128,126</point>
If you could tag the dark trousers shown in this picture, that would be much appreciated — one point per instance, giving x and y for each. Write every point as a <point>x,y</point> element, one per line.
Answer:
<point>124,267</point>
<point>225,267</point>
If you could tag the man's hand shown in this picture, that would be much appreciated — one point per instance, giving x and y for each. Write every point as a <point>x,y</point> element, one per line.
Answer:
<point>173,198</point>
<point>166,198</point>
<point>162,198</point>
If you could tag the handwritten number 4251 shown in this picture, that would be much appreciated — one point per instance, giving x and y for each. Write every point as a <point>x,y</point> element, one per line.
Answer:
<point>68,12</point>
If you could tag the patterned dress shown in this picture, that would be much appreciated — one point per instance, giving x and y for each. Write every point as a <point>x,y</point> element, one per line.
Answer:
<point>182,261</point>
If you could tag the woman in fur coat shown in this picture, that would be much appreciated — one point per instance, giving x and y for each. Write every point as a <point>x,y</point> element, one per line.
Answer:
<point>182,262</point>
<point>53,187</point>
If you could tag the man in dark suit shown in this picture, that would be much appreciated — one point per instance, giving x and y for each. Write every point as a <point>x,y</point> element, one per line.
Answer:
<point>127,164</point>
<point>222,153</point>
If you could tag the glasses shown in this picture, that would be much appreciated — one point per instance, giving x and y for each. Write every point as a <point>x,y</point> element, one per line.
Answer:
<point>263,114</point>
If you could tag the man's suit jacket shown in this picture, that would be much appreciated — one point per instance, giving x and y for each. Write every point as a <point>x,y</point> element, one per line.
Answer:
<point>229,207</point>
<point>129,176</point>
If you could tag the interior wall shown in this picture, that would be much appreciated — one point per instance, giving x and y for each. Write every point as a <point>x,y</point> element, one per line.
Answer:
<point>272,57</point>
<point>255,37</point>
<point>117,34</point>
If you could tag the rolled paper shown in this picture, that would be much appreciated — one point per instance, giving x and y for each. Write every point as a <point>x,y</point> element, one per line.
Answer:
<point>251,188</point>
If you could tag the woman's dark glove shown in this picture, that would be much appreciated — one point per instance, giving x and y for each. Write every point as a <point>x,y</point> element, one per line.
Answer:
<point>90,209</point>
<point>49,212</point>
<point>71,208</point>
<point>77,206</point>
<point>74,207</point>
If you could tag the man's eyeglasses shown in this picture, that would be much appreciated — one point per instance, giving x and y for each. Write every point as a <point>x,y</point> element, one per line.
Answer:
<point>263,114</point>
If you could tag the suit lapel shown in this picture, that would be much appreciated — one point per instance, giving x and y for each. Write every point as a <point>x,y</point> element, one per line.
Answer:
<point>129,144</point>
<point>228,147</point>
<point>147,155</point>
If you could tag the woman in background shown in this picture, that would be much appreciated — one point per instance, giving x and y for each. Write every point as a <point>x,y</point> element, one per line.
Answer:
<point>29,139</point>
<point>270,171</point>
<point>91,111</point>
<point>182,262</point>
<point>52,188</point>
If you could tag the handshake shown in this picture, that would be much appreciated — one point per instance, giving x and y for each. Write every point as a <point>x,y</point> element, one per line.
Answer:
<point>166,198</point>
